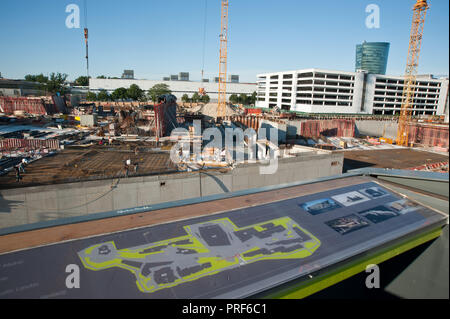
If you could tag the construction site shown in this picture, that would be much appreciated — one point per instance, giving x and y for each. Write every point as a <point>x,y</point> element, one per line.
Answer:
<point>74,170</point>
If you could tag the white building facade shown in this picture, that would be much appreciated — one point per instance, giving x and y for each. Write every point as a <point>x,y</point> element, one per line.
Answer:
<point>178,88</point>
<point>328,91</point>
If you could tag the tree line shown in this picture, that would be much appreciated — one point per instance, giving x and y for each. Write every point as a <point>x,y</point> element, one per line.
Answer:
<point>243,99</point>
<point>195,98</point>
<point>134,92</point>
<point>55,83</point>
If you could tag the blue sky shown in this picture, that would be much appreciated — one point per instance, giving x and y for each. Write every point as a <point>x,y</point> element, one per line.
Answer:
<point>158,38</point>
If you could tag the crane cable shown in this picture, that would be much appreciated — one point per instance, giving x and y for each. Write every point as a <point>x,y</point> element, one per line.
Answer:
<point>204,39</point>
<point>85,14</point>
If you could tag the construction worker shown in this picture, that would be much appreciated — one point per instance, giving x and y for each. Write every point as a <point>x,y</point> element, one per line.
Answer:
<point>18,177</point>
<point>22,167</point>
<point>126,167</point>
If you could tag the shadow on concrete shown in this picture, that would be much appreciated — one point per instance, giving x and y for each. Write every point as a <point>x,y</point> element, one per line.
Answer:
<point>218,182</point>
<point>6,205</point>
<point>350,164</point>
<point>355,287</point>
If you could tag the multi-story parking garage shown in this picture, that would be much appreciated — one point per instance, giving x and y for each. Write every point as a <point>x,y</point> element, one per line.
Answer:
<point>327,91</point>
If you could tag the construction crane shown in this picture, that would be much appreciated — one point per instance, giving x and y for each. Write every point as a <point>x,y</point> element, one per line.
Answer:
<point>202,90</point>
<point>221,107</point>
<point>86,40</point>
<point>420,11</point>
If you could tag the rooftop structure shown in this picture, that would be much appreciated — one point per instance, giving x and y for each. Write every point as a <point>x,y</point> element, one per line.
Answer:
<point>232,78</point>
<point>183,76</point>
<point>10,87</point>
<point>128,74</point>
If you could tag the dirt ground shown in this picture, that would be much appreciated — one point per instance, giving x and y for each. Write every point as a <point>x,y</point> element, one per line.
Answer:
<point>392,158</point>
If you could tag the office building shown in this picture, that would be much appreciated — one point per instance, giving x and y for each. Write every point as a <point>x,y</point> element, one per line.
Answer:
<point>233,78</point>
<point>183,76</point>
<point>128,74</point>
<point>372,57</point>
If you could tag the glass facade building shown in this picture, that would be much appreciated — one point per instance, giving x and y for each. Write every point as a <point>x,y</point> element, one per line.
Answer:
<point>372,57</point>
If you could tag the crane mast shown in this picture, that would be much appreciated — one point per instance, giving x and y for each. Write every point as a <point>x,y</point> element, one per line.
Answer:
<point>221,107</point>
<point>420,11</point>
<point>86,41</point>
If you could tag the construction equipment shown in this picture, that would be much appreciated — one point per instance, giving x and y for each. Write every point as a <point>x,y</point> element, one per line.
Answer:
<point>202,90</point>
<point>420,11</point>
<point>221,107</point>
<point>86,40</point>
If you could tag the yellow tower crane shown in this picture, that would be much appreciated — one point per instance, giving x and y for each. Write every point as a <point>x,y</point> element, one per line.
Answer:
<point>221,107</point>
<point>420,11</point>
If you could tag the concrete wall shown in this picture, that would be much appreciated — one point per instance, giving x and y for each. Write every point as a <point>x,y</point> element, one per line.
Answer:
<point>88,120</point>
<point>377,128</point>
<point>42,203</point>
<point>280,127</point>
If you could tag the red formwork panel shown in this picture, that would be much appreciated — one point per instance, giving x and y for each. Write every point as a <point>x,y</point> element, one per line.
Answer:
<point>10,144</point>
<point>429,135</point>
<point>159,120</point>
<point>9,105</point>
<point>336,127</point>
<point>252,111</point>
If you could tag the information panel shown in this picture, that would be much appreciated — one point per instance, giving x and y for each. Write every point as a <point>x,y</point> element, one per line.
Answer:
<point>228,255</point>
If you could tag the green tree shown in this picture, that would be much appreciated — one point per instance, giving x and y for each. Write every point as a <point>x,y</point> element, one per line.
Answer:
<point>243,99</point>
<point>205,98</point>
<point>91,96</point>
<point>234,99</point>
<point>36,78</point>
<point>41,81</point>
<point>56,83</point>
<point>103,96</point>
<point>135,93</point>
<point>82,81</point>
<point>119,94</point>
<point>252,98</point>
<point>101,77</point>
<point>195,97</point>
<point>157,90</point>
<point>185,98</point>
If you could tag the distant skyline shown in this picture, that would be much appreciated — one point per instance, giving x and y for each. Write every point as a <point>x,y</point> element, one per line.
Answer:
<point>159,38</point>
